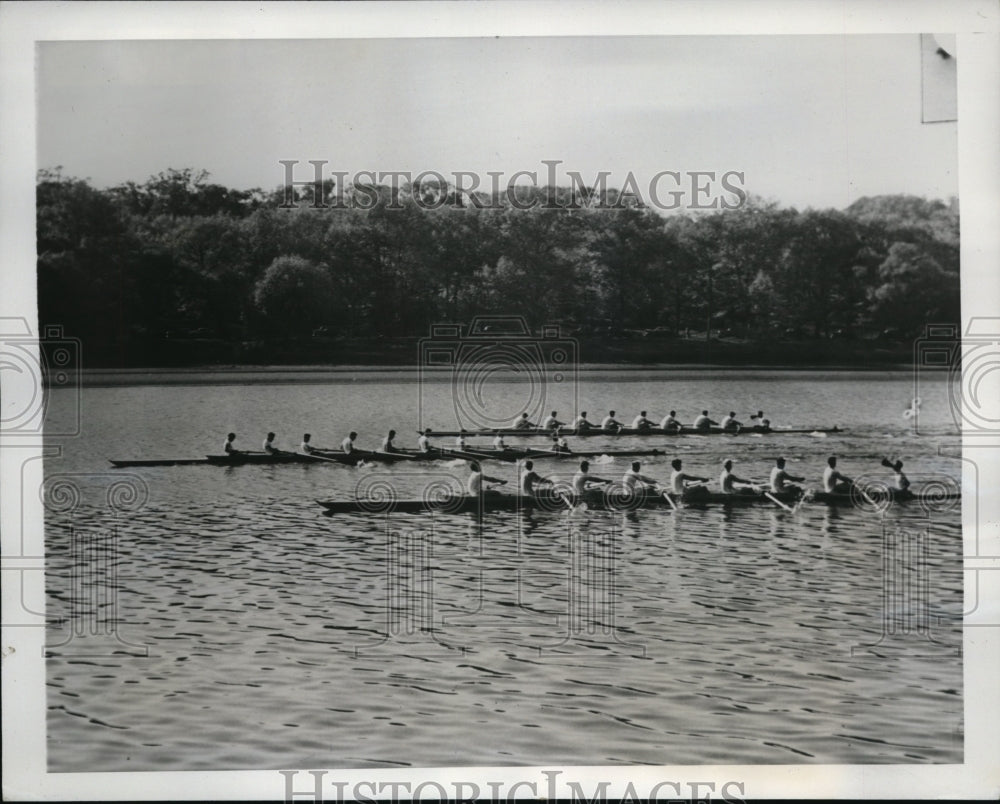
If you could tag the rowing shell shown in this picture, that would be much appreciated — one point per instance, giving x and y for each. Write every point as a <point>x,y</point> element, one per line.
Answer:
<point>633,431</point>
<point>617,499</point>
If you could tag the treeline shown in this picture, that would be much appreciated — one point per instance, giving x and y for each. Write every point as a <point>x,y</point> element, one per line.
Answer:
<point>180,258</point>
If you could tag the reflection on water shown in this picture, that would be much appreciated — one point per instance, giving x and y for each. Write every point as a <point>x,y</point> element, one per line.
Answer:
<point>222,622</point>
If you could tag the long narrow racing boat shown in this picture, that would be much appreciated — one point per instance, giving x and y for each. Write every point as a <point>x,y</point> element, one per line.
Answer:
<point>618,500</point>
<point>636,431</point>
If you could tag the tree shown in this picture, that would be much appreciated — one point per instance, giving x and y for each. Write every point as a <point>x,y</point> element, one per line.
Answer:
<point>294,296</point>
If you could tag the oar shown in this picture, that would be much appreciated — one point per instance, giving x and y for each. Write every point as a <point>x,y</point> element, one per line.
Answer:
<point>665,493</point>
<point>316,457</point>
<point>775,500</point>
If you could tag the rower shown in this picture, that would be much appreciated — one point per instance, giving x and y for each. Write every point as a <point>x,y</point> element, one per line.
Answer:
<point>474,485</point>
<point>305,446</point>
<point>729,423</point>
<point>347,445</point>
<point>780,478</point>
<point>703,422</point>
<point>498,442</point>
<point>460,440</point>
<point>424,442</point>
<point>229,449</point>
<point>760,423</point>
<point>559,444</point>
<point>900,482</point>
<point>728,481</point>
<point>387,445</point>
<point>611,424</point>
<point>530,478</point>
<point>679,481</point>
<point>582,478</point>
<point>833,481</point>
<point>640,422</point>
<point>551,422</point>
<point>634,481</point>
<point>581,422</point>
<point>269,447</point>
<point>670,421</point>
<point>522,423</point>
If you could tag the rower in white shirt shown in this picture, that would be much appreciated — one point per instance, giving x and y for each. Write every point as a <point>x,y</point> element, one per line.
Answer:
<point>229,449</point>
<point>474,485</point>
<point>559,444</point>
<point>581,422</point>
<point>780,478</point>
<point>305,447</point>
<point>522,423</point>
<point>268,445</point>
<point>833,481</point>
<point>583,478</point>
<point>759,422</point>
<point>610,423</point>
<point>728,480</point>
<point>460,440</point>
<point>679,481</point>
<point>640,422</point>
<point>498,442</point>
<point>551,422</point>
<point>387,442</point>
<point>424,442</point>
<point>670,421</point>
<point>703,422</point>
<point>530,479</point>
<point>634,481</point>
<point>347,445</point>
<point>730,423</point>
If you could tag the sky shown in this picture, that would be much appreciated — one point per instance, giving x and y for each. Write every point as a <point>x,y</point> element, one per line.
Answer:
<point>809,120</point>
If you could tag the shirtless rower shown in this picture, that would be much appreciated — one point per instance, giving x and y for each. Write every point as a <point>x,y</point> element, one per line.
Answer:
<point>780,478</point>
<point>730,423</point>
<point>703,422</point>
<point>900,482</point>
<point>387,442</point>
<point>679,481</point>
<point>610,424</point>
<point>635,482</point>
<point>581,422</point>
<point>641,423</point>
<point>833,481</point>
<point>728,480</point>
<point>229,449</point>
<point>670,421</point>
<point>522,423</point>
<point>347,445</point>
<point>474,485</point>
<point>530,478</point>
<point>582,478</point>
<point>551,422</point>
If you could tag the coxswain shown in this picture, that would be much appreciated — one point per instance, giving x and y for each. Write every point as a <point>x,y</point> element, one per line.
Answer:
<point>610,423</point>
<point>530,478</point>
<point>268,445</point>
<point>581,422</point>
<point>424,442</point>
<point>728,480</point>
<point>729,422</point>
<point>347,445</point>
<point>780,478</point>
<point>583,477</point>
<point>229,449</point>
<point>670,422</point>
<point>522,423</point>
<point>640,422</point>
<point>498,442</point>
<point>833,481</point>
<point>387,445</point>
<point>634,481</point>
<point>703,422</point>
<point>551,422</point>
<point>305,447</point>
<point>474,485</point>
<point>679,481</point>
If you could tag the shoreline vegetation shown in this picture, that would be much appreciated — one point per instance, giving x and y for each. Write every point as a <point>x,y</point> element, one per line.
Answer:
<point>180,273</point>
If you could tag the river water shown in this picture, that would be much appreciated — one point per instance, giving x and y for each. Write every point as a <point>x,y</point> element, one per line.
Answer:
<point>213,618</point>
